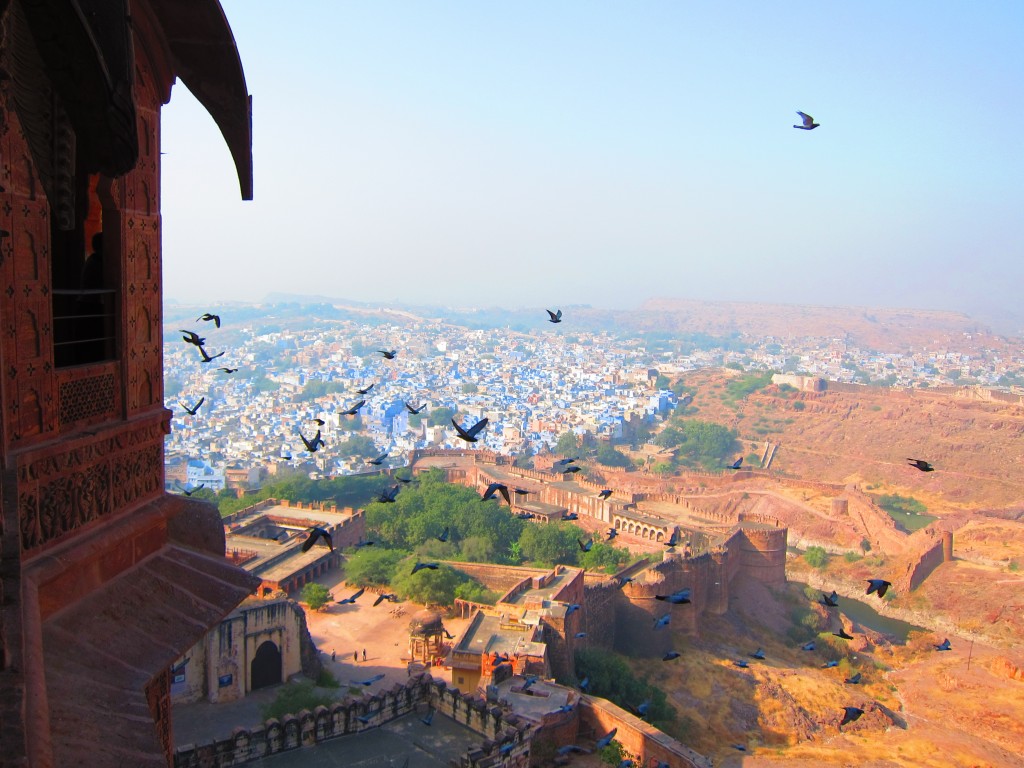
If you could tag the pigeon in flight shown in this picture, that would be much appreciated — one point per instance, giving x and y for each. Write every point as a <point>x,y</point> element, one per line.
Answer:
<point>605,740</point>
<point>944,646</point>
<point>422,566</point>
<point>188,490</point>
<point>286,456</point>
<point>315,533</point>
<point>377,462</point>
<point>643,707</point>
<point>351,600</point>
<point>563,462</point>
<point>680,597</point>
<point>429,718</point>
<point>830,664</point>
<point>673,540</point>
<point>388,355</point>
<point>365,719</point>
<point>208,317</point>
<point>524,516</point>
<point>808,122</point>
<point>448,634</point>
<point>879,586</point>
<point>369,681</point>
<point>444,535</point>
<point>209,358</point>
<point>570,748</point>
<point>807,646</point>
<point>364,391</point>
<point>403,479</point>
<point>585,683</point>
<point>318,422</point>
<point>663,621</point>
<point>850,714</point>
<point>841,634</point>
<point>521,492</point>
<point>737,464</point>
<point>855,680</point>
<point>494,488</point>
<point>470,435</point>
<point>921,464</point>
<point>385,596</point>
<point>413,410</point>
<point>571,470</point>
<point>612,533</point>
<point>192,411</point>
<point>830,601</point>
<point>585,547</point>
<point>758,654</point>
<point>354,409</point>
<point>554,317</point>
<point>572,609</point>
<point>741,663</point>
<point>388,497</point>
<point>604,494</point>
<point>312,445</point>
<point>671,655</point>
<point>191,337</point>
<point>570,516</point>
<point>228,370</point>
<point>740,747</point>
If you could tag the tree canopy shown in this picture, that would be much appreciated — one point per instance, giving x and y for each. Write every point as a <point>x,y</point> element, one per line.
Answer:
<point>568,444</point>
<point>611,457</point>
<point>612,678</point>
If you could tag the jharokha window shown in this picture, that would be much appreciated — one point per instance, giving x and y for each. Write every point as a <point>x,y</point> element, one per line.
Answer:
<point>85,300</point>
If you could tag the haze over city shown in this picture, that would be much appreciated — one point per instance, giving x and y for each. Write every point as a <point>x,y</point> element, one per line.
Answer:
<point>546,155</point>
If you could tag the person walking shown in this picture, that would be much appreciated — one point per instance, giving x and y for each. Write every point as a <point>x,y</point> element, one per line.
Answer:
<point>333,655</point>
<point>355,657</point>
<point>364,654</point>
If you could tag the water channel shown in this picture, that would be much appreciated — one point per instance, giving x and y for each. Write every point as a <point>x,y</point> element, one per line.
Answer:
<point>866,615</point>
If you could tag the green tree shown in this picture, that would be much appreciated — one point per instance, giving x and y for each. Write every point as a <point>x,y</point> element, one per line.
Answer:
<point>359,445</point>
<point>610,457</point>
<point>427,586</point>
<point>551,543</point>
<point>316,596</point>
<point>604,557</point>
<point>567,445</point>
<point>611,678</point>
<point>662,382</point>
<point>705,443</point>
<point>469,388</point>
<point>373,566</point>
<point>441,416</point>
<point>816,557</point>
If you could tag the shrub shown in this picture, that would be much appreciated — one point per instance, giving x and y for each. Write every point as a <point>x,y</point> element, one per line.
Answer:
<point>816,557</point>
<point>316,596</point>
<point>294,697</point>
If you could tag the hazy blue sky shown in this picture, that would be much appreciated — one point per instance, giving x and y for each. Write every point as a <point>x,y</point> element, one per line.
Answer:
<point>551,153</point>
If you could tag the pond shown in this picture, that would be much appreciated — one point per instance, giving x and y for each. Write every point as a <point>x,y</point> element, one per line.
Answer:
<point>865,614</point>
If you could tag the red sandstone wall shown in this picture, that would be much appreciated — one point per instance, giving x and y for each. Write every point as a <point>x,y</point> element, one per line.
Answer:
<point>919,566</point>
<point>644,743</point>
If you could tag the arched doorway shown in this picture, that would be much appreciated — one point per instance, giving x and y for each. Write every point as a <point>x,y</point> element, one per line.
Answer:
<point>266,665</point>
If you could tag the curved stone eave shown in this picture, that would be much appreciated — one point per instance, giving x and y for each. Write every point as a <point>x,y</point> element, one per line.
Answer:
<point>207,62</point>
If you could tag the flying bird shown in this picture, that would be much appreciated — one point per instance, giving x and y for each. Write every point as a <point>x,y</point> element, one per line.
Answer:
<point>572,609</point>
<point>188,490</point>
<point>448,634</point>
<point>384,596</point>
<point>741,663</point>
<point>524,515</point>
<point>571,470</point>
<point>605,740</point>
<point>388,355</point>
<point>674,539</point>
<point>429,718</point>
<point>850,714</point>
<point>604,494</point>
<point>354,409</point>
<point>422,566</point>
<point>680,597</point>
<point>192,411</point>
<point>808,122</point>
<point>207,317</point>
<point>312,445</point>
<point>585,683</point>
<point>403,479</point>
<point>643,707</point>
<point>879,586</point>
<point>737,464</point>
<point>570,516</point>
<point>830,601</point>
<point>369,681</point>
<point>388,497</point>
<point>413,410</point>
<point>365,719</point>
<point>470,435</point>
<point>318,422</point>
<point>841,634</point>
<point>830,664</point>
<point>807,646</point>
<point>444,535</point>
<point>740,747</point>
<point>855,680</point>
<point>191,337</point>
<point>351,600</point>
<point>521,491</point>
<point>364,543</point>
<point>554,317</point>
<point>758,654</point>
<point>944,646</point>
<point>570,748</point>
<point>315,533</point>
<point>586,547</point>
<point>563,462</point>
<point>671,655</point>
<point>286,457</point>
<point>612,533</point>
<point>377,462</point>
<point>209,358</point>
<point>364,391</point>
<point>921,464</point>
<point>228,370</point>
<point>663,621</point>
<point>494,488</point>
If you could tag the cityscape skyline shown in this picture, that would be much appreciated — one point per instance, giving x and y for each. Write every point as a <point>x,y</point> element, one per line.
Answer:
<point>609,156</point>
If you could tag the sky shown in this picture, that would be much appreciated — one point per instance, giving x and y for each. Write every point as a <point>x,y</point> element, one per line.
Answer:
<point>554,153</point>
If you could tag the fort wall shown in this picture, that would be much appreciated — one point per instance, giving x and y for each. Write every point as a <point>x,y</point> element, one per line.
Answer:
<point>642,741</point>
<point>931,548</point>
